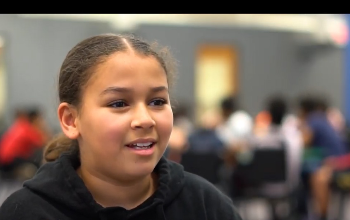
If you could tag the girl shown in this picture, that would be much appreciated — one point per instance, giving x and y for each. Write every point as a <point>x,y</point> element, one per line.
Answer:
<point>116,118</point>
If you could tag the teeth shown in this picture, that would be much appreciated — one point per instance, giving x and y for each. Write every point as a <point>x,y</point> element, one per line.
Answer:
<point>143,144</point>
<point>141,148</point>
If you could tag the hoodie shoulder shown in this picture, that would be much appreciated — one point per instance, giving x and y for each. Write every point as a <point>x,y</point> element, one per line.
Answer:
<point>27,204</point>
<point>201,195</point>
<point>217,204</point>
<point>21,204</point>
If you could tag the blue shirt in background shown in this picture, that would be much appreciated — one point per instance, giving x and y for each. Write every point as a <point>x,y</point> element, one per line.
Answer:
<point>325,136</point>
<point>203,141</point>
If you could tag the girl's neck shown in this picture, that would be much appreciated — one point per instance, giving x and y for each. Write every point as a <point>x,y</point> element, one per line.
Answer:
<point>112,193</point>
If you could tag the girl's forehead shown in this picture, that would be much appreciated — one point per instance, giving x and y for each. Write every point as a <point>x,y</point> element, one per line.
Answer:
<point>126,61</point>
<point>128,70</point>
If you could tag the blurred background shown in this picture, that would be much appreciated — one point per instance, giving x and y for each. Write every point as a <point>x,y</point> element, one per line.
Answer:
<point>261,102</point>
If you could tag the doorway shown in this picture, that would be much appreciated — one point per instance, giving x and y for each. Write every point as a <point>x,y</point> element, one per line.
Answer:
<point>215,76</point>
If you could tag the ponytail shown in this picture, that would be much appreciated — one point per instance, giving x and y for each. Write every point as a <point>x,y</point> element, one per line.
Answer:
<point>57,146</point>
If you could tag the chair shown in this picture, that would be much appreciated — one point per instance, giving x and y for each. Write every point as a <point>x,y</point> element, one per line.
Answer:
<point>267,165</point>
<point>257,169</point>
<point>206,164</point>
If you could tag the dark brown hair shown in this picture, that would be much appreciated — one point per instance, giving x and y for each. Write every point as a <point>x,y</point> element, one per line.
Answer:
<point>80,64</point>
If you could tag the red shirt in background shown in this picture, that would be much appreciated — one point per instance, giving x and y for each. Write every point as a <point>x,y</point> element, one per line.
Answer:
<point>20,141</point>
<point>340,163</point>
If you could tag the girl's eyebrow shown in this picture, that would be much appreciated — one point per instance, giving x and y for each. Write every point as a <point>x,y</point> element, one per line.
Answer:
<point>115,89</point>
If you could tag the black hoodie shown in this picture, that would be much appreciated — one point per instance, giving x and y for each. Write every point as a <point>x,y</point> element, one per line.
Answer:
<point>56,192</point>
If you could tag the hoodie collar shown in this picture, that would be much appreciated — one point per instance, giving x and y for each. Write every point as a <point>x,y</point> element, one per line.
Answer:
<point>58,181</point>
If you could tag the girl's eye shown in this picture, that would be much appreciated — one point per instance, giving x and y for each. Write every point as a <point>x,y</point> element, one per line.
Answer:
<point>158,102</point>
<point>117,104</point>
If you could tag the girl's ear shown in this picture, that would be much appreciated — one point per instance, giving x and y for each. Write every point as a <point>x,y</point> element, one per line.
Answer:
<point>67,115</point>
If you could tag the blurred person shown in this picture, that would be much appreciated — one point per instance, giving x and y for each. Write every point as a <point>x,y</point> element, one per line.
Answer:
<point>271,119</point>
<point>336,119</point>
<point>262,123</point>
<point>18,145</point>
<point>178,141</point>
<point>18,113</point>
<point>228,105</point>
<point>233,131</point>
<point>182,120</point>
<point>178,144</point>
<point>334,115</point>
<point>236,124</point>
<point>204,138</point>
<point>318,130</point>
<point>290,127</point>
<point>322,141</point>
<point>280,131</point>
<point>116,117</point>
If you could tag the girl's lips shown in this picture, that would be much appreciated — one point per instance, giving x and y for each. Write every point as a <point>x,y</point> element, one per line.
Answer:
<point>146,151</point>
<point>142,141</point>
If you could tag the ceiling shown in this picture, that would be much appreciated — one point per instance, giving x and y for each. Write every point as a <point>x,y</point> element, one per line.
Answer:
<point>320,26</point>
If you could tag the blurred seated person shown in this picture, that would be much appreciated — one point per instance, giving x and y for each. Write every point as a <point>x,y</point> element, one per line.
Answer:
<point>334,116</point>
<point>204,139</point>
<point>233,131</point>
<point>236,125</point>
<point>337,119</point>
<point>177,144</point>
<point>178,139</point>
<point>22,139</point>
<point>273,129</point>
<point>262,123</point>
<point>182,120</point>
<point>322,142</point>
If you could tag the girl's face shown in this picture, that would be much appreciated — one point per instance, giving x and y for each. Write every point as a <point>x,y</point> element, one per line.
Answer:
<point>126,118</point>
